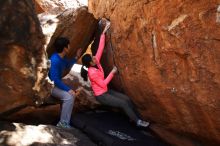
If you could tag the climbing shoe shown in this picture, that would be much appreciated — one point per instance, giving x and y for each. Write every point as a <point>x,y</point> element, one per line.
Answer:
<point>141,123</point>
<point>63,125</point>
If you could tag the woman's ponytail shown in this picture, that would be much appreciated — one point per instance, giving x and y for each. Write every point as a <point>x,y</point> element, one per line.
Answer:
<point>84,74</point>
<point>86,59</point>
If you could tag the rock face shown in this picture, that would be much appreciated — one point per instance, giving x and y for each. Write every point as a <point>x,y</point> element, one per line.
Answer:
<point>167,53</point>
<point>22,63</point>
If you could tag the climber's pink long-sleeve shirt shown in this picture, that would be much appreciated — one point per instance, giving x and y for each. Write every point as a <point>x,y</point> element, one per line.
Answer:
<point>96,75</point>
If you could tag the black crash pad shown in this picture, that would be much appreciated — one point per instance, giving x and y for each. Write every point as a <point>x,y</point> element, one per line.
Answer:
<point>109,128</point>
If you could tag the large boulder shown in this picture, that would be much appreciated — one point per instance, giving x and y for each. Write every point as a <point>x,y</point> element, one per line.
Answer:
<point>57,6</point>
<point>23,65</point>
<point>167,53</point>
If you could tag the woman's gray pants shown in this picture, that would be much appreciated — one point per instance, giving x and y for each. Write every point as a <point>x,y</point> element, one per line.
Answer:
<point>67,103</point>
<point>116,99</point>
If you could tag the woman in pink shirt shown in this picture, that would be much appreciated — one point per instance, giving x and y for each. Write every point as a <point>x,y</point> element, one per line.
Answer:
<point>92,68</point>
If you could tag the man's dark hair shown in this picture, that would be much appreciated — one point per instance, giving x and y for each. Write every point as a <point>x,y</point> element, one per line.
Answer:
<point>61,43</point>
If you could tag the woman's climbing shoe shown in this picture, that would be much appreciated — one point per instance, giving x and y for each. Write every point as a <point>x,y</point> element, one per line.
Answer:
<point>141,123</point>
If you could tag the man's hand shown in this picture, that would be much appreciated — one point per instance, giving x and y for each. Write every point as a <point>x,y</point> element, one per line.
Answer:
<point>78,91</point>
<point>78,53</point>
<point>72,92</point>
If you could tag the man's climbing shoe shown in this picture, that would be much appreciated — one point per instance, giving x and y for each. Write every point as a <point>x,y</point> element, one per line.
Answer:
<point>141,123</point>
<point>63,125</point>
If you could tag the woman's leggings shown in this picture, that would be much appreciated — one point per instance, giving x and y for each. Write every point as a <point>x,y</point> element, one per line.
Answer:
<point>116,99</point>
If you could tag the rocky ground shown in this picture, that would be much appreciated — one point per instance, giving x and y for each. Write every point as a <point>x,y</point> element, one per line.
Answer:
<point>35,127</point>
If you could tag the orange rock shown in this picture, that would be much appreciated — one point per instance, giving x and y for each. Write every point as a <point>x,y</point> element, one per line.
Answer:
<point>167,54</point>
